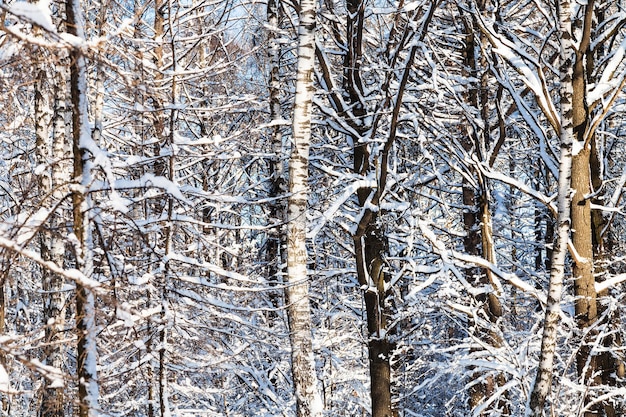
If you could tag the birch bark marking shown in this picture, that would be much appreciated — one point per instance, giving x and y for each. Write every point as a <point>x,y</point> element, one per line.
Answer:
<point>275,242</point>
<point>81,139</point>
<point>51,245</point>
<point>543,380</point>
<point>308,398</point>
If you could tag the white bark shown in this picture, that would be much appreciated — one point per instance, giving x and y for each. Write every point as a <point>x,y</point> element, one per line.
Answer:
<point>275,252</point>
<point>543,380</point>
<point>50,150</point>
<point>308,398</point>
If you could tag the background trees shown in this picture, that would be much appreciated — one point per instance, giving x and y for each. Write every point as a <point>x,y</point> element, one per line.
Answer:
<point>436,184</point>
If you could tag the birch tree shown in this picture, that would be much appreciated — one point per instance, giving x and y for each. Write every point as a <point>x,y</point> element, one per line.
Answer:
<point>543,380</point>
<point>308,398</point>
<point>576,127</point>
<point>51,145</point>
<point>275,242</point>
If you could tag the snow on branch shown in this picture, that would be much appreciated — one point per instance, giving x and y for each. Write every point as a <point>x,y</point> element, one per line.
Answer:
<point>496,396</point>
<point>23,226</point>
<point>532,119</point>
<point>609,283</point>
<point>452,257</point>
<point>150,180</point>
<point>547,200</point>
<point>533,78</point>
<point>235,276</point>
<point>608,29</point>
<point>608,81</point>
<point>55,376</point>
<point>39,15</point>
<point>348,192</point>
<point>615,197</point>
<point>618,84</point>
<point>71,274</point>
<point>36,13</point>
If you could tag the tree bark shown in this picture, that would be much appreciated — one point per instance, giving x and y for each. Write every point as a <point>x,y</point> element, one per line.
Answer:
<point>477,221</point>
<point>81,141</point>
<point>369,241</point>
<point>164,402</point>
<point>4,398</point>
<point>593,369</point>
<point>50,148</point>
<point>543,381</point>
<point>308,397</point>
<point>275,241</point>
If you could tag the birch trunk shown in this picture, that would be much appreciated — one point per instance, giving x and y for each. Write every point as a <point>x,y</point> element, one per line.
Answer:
<point>81,142</point>
<point>275,242</point>
<point>543,381</point>
<point>50,148</point>
<point>308,398</point>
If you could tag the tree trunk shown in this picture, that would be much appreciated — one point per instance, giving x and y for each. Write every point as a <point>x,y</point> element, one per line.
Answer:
<point>50,150</point>
<point>275,241</point>
<point>587,225</point>
<point>5,400</point>
<point>610,366</point>
<point>369,241</point>
<point>164,403</point>
<point>477,221</point>
<point>370,248</point>
<point>81,139</point>
<point>543,381</point>
<point>308,398</point>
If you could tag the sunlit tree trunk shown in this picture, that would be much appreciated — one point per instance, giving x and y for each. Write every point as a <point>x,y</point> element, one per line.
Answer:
<point>586,306</point>
<point>308,398</point>
<point>370,241</point>
<point>610,366</point>
<point>82,144</point>
<point>543,381</point>
<point>587,225</point>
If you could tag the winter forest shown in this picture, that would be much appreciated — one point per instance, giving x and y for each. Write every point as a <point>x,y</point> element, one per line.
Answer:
<point>386,208</point>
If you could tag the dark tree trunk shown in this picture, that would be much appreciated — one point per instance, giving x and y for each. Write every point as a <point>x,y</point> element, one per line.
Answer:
<point>478,240</point>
